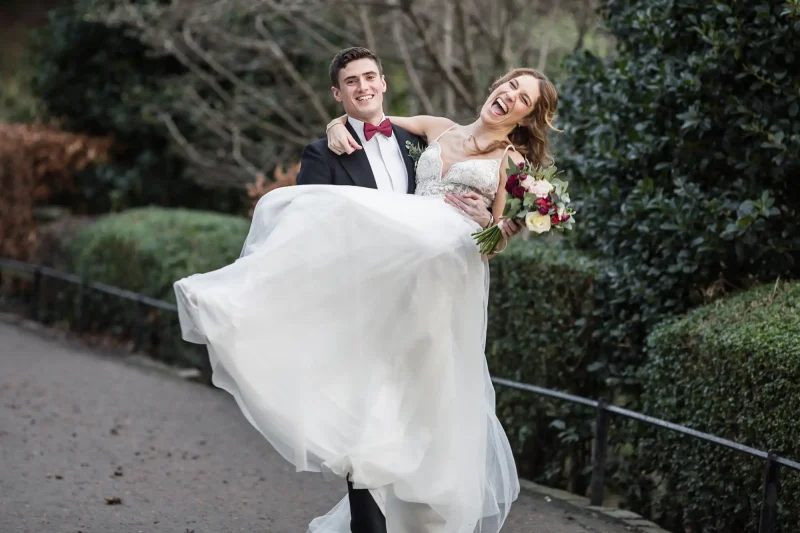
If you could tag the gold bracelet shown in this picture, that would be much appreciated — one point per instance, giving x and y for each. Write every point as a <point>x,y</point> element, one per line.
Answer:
<point>332,124</point>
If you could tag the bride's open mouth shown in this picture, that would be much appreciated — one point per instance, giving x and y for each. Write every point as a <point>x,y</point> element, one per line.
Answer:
<point>499,107</point>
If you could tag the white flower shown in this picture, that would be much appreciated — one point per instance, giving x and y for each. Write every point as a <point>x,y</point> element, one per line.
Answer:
<point>537,223</point>
<point>541,188</point>
<point>560,212</point>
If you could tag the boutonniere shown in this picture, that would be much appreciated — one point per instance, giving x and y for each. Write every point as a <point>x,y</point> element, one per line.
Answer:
<point>414,151</point>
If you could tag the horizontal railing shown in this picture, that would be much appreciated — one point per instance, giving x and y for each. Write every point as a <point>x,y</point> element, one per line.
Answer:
<point>772,461</point>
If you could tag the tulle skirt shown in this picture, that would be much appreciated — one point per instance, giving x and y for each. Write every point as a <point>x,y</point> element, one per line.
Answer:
<point>351,333</point>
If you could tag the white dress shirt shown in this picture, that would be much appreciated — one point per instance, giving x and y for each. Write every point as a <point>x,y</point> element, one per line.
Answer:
<point>385,159</point>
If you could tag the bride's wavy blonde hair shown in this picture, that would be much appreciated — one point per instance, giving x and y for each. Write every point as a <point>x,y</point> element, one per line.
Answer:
<point>530,139</point>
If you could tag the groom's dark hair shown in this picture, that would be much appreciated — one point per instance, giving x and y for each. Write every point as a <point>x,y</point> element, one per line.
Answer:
<point>351,54</point>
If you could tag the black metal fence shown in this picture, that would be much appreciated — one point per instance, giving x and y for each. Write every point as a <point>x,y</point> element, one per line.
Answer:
<point>772,462</point>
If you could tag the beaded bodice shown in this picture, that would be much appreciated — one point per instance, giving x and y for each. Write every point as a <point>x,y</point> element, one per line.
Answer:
<point>475,175</point>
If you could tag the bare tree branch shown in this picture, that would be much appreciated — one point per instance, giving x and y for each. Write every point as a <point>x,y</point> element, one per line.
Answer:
<point>369,35</point>
<point>237,81</point>
<point>253,91</point>
<point>547,38</point>
<point>430,47</point>
<point>287,65</point>
<point>413,75</point>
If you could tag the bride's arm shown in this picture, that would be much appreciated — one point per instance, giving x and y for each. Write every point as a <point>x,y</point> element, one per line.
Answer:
<point>340,141</point>
<point>510,227</point>
<point>426,126</point>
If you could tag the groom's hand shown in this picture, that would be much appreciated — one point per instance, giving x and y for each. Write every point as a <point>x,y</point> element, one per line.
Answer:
<point>471,204</point>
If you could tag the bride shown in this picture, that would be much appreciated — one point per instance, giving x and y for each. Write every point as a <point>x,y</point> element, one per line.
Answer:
<point>351,330</point>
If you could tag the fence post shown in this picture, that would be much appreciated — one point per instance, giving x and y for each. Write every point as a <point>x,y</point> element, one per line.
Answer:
<point>769,496</point>
<point>138,331</point>
<point>36,291</point>
<point>83,300</point>
<point>599,454</point>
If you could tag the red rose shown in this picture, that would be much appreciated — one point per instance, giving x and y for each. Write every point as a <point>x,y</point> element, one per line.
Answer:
<point>564,217</point>
<point>554,220</point>
<point>540,202</point>
<point>512,183</point>
<point>518,192</point>
<point>543,210</point>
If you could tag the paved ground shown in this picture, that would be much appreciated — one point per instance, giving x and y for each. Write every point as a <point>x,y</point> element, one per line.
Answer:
<point>79,428</point>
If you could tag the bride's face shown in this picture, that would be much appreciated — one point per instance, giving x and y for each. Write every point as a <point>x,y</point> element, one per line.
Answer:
<point>509,104</point>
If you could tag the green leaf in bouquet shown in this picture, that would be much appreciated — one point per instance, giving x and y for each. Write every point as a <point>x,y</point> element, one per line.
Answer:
<point>512,208</point>
<point>549,173</point>
<point>512,169</point>
<point>529,201</point>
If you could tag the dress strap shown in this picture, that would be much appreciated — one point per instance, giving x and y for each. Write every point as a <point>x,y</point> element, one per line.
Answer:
<point>503,157</point>
<point>445,131</point>
<point>506,151</point>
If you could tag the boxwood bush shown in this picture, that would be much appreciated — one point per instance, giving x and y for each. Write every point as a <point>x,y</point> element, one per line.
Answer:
<point>732,369</point>
<point>541,331</point>
<point>146,250</point>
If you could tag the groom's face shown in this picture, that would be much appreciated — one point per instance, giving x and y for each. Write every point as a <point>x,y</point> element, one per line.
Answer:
<point>361,88</point>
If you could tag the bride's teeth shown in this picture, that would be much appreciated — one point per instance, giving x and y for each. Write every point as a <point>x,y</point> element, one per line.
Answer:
<point>502,105</point>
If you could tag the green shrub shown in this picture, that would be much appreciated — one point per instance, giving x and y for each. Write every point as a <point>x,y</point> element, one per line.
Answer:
<point>732,369</point>
<point>683,149</point>
<point>144,250</point>
<point>540,331</point>
<point>147,249</point>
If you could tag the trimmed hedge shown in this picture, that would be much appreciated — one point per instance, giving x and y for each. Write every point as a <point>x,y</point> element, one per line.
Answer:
<point>541,331</point>
<point>146,250</point>
<point>731,369</point>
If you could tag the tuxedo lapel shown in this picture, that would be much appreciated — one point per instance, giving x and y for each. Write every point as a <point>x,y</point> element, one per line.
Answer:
<point>357,164</point>
<point>402,136</point>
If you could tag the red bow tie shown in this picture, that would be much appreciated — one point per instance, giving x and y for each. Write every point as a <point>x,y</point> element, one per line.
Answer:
<point>384,127</point>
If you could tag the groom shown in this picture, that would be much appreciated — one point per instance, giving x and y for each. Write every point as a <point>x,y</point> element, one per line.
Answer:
<point>383,163</point>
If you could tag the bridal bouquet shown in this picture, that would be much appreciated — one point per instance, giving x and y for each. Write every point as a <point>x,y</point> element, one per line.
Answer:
<point>535,195</point>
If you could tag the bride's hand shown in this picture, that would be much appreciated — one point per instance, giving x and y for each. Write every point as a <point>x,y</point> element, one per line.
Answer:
<point>340,141</point>
<point>509,228</point>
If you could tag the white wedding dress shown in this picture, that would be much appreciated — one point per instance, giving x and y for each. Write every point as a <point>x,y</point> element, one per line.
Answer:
<point>351,333</point>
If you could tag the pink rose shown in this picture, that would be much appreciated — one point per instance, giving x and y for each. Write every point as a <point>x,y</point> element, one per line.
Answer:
<point>541,188</point>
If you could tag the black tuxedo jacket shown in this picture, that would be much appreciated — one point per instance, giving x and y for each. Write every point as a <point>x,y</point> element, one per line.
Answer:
<point>320,166</point>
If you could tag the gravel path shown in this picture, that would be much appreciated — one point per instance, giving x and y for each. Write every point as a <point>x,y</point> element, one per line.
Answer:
<point>94,443</point>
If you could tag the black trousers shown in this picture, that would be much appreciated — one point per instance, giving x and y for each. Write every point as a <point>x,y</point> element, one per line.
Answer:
<point>365,515</point>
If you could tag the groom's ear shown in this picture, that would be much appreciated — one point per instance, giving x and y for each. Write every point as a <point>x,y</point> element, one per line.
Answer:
<point>337,94</point>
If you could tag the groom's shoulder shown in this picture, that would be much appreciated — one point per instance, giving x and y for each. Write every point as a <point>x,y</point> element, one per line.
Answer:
<point>318,148</point>
<point>320,145</point>
<point>414,138</point>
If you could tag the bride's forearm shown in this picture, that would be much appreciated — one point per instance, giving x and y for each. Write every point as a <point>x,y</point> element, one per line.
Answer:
<point>426,126</point>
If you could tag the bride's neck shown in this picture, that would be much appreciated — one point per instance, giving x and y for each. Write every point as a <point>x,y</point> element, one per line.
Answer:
<point>482,132</point>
